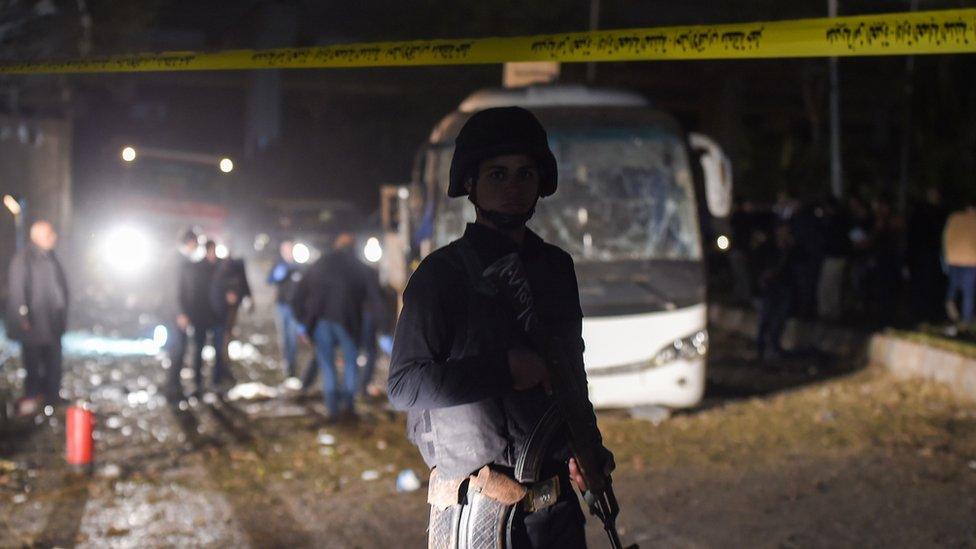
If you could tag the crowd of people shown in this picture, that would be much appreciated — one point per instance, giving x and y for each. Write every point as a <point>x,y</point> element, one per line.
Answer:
<point>210,292</point>
<point>855,261</point>
<point>334,304</point>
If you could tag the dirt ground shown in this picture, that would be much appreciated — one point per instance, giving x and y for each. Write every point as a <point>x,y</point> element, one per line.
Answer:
<point>810,451</point>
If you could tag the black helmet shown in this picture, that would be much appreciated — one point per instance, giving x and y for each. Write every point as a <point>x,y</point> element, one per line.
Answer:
<point>500,131</point>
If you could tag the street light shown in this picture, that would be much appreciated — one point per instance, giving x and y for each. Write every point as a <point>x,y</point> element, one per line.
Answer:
<point>723,242</point>
<point>16,207</point>
<point>12,204</point>
<point>225,164</point>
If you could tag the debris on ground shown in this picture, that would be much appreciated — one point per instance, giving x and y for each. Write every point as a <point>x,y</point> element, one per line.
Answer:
<point>655,414</point>
<point>251,391</point>
<point>370,474</point>
<point>407,481</point>
<point>110,471</point>
<point>326,439</point>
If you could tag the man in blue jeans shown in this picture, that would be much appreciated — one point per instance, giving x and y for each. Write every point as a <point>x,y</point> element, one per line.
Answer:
<point>285,276</point>
<point>959,241</point>
<point>330,301</point>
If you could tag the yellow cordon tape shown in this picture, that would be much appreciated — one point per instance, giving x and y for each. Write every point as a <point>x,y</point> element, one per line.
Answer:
<point>930,32</point>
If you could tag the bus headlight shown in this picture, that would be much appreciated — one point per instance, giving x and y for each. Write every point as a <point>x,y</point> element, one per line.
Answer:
<point>686,348</point>
<point>723,243</point>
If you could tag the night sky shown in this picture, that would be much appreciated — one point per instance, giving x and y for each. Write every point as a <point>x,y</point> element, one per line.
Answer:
<point>339,134</point>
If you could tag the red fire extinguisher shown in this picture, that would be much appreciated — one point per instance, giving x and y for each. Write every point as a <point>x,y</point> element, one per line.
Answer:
<point>79,447</point>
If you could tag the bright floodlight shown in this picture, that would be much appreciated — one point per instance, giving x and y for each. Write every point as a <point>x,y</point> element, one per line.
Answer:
<point>160,335</point>
<point>222,251</point>
<point>226,165</point>
<point>128,154</point>
<point>301,253</point>
<point>126,250</point>
<point>722,242</point>
<point>11,204</point>
<point>373,251</point>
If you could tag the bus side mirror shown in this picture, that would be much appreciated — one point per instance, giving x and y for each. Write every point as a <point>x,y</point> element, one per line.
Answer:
<point>717,170</point>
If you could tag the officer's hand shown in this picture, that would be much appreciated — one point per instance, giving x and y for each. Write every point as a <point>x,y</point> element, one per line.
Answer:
<point>527,368</point>
<point>183,322</point>
<point>576,475</point>
<point>231,298</point>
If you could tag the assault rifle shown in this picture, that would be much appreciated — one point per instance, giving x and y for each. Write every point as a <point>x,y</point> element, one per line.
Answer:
<point>570,402</point>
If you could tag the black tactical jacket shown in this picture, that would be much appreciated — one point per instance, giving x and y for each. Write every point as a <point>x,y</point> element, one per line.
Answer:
<point>449,367</point>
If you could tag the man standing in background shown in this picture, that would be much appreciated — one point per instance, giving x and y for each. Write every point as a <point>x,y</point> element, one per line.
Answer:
<point>959,240</point>
<point>189,243</point>
<point>229,293</point>
<point>38,315</point>
<point>330,302</point>
<point>285,276</point>
<point>203,318</point>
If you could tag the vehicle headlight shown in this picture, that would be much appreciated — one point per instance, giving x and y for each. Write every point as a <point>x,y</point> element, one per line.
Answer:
<point>686,348</point>
<point>126,249</point>
<point>301,252</point>
<point>372,251</point>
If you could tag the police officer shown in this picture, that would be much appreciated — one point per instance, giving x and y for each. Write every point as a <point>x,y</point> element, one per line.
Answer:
<point>473,388</point>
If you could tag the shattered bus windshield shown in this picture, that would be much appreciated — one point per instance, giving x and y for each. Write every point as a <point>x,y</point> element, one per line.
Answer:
<point>623,195</point>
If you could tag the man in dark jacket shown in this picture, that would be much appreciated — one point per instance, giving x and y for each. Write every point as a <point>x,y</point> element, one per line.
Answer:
<point>37,313</point>
<point>195,292</point>
<point>285,275</point>
<point>777,286</point>
<point>330,301</point>
<point>473,387</point>
<point>229,293</point>
<point>182,265</point>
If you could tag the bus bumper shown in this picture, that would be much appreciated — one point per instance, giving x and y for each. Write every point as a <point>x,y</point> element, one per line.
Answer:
<point>679,384</point>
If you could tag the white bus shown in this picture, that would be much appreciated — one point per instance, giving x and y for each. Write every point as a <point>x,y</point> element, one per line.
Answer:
<point>626,210</point>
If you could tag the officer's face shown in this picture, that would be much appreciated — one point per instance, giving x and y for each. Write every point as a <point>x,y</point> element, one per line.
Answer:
<point>507,184</point>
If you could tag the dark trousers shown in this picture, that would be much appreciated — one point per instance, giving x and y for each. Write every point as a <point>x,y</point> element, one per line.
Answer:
<point>228,332</point>
<point>368,344</point>
<point>220,371</point>
<point>777,304</point>
<point>177,351</point>
<point>43,365</point>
